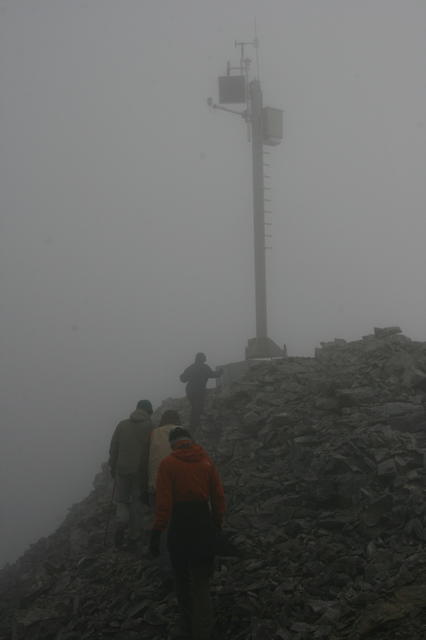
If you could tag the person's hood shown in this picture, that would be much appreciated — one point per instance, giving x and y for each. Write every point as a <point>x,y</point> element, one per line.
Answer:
<point>139,415</point>
<point>188,451</point>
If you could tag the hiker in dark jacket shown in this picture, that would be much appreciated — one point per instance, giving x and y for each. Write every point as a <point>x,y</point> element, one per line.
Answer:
<point>196,377</point>
<point>189,496</point>
<point>128,461</point>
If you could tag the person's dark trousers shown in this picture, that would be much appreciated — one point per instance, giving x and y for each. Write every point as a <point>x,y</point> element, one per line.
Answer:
<point>197,406</point>
<point>192,580</point>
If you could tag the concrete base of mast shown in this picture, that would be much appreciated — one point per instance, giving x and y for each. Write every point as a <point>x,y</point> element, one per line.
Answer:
<point>264,348</point>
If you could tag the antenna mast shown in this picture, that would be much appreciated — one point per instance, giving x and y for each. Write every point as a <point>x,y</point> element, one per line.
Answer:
<point>266,129</point>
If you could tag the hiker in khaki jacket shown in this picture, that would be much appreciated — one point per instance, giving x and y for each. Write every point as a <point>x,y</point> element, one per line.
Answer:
<point>128,461</point>
<point>160,445</point>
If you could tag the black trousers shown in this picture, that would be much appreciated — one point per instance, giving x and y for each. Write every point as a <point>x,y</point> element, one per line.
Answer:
<point>192,582</point>
<point>191,544</point>
<point>196,400</point>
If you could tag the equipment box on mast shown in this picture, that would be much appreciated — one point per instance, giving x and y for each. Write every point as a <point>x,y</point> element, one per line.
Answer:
<point>272,126</point>
<point>232,89</point>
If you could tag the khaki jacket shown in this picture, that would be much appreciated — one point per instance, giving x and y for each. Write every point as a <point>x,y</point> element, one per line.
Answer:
<point>159,449</point>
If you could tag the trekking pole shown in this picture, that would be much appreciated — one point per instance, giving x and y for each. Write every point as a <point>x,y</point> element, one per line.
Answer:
<point>109,514</point>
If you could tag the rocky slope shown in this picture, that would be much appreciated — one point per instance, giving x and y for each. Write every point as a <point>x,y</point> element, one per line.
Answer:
<point>323,462</point>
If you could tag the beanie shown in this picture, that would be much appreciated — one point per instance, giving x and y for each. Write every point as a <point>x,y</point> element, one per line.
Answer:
<point>145,405</point>
<point>179,433</point>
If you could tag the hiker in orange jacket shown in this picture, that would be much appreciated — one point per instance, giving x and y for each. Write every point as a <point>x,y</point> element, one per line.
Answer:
<point>189,495</point>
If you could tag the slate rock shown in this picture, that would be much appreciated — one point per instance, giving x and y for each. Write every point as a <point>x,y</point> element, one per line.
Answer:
<point>323,463</point>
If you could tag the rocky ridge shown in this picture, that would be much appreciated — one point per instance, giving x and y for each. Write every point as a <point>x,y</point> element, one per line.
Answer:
<point>323,463</point>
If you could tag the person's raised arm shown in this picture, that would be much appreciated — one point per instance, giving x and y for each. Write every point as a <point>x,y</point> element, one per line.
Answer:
<point>215,374</point>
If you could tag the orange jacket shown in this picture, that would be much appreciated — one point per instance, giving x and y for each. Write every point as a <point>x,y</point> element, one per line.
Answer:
<point>187,475</point>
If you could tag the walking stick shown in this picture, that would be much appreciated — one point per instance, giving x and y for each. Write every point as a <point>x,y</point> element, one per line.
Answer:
<point>109,514</point>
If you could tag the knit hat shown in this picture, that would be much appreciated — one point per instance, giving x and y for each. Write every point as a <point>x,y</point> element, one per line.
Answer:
<point>170,416</point>
<point>145,405</point>
<point>179,433</point>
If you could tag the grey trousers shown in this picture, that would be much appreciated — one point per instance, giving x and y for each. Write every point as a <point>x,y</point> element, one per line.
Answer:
<point>130,512</point>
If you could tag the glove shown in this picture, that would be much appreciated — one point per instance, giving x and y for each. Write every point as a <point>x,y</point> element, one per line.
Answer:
<point>154,543</point>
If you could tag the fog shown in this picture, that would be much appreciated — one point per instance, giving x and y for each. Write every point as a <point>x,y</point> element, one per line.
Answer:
<point>126,239</point>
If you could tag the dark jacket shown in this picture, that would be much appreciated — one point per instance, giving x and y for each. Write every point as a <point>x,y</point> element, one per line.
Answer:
<point>196,377</point>
<point>129,449</point>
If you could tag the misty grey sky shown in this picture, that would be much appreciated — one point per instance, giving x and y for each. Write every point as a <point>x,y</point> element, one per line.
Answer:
<point>125,209</point>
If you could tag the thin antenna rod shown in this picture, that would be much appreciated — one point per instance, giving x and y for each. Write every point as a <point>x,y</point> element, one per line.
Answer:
<point>256,46</point>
